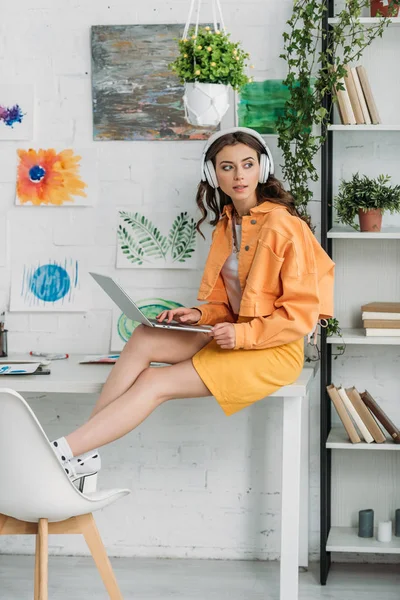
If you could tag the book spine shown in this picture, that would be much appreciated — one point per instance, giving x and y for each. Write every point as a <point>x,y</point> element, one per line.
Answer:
<point>381,416</point>
<point>343,414</point>
<point>360,95</point>
<point>380,315</point>
<point>355,102</point>
<point>346,110</point>
<point>373,332</point>
<point>373,110</point>
<point>381,323</point>
<point>356,417</point>
<point>366,415</point>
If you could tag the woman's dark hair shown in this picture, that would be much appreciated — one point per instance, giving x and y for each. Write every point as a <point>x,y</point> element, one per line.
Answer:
<point>271,190</point>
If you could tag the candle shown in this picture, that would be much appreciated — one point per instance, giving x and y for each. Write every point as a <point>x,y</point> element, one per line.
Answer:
<point>366,523</point>
<point>384,531</point>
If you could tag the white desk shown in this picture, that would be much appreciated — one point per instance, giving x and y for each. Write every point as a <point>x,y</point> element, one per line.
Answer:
<point>67,376</point>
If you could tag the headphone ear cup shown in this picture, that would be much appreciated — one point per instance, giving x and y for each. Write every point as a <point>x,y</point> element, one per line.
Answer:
<point>264,168</point>
<point>210,174</point>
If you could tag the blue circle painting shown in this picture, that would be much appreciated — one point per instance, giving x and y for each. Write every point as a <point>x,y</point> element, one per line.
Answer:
<point>50,283</point>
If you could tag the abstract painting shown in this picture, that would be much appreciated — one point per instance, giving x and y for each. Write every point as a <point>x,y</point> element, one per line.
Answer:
<point>135,94</point>
<point>261,103</point>
<point>50,177</point>
<point>123,327</point>
<point>47,284</point>
<point>16,112</point>
<point>142,243</point>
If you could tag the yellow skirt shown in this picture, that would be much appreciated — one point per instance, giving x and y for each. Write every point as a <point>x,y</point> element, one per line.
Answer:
<point>238,378</point>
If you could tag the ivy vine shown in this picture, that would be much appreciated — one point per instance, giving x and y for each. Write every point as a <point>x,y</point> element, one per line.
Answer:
<point>314,75</point>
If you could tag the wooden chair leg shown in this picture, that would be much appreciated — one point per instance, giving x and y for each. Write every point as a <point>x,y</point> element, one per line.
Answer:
<point>91,534</point>
<point>43,533</point>
<point>37,568</point>
<point>3,519</point>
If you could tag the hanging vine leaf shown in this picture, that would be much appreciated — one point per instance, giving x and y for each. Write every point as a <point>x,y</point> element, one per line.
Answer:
<point>154,244</point>
<point>129,247</point>
<point>182,237</point>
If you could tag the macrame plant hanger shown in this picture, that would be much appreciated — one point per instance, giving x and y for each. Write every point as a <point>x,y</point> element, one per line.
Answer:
<point>217,16</point>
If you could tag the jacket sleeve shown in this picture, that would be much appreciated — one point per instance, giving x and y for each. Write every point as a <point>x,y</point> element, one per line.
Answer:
<point>214,312</point>
<point>296,310</point>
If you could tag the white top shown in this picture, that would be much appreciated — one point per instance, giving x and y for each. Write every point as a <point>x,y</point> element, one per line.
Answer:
<point>230,274</point>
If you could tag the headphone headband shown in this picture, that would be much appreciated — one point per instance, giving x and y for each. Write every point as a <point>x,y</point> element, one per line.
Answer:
<point>266,160</point>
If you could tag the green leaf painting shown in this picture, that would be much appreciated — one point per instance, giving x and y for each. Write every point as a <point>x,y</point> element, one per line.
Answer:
<point>123,327</point>
<point>142,244</point>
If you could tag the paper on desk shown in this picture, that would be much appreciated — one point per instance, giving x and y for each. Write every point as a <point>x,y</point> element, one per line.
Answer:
<point>18,368</point>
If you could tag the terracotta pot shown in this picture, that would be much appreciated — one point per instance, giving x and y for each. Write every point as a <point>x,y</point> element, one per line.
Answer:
<point>383,7</point>
<point>370,220</point>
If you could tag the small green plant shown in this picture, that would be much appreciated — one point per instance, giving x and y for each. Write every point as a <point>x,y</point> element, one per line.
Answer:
<point>365,193</point>
<point>332,328</point>
<point>210,57</point>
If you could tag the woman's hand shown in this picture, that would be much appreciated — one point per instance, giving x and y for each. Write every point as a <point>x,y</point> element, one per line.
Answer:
<point>189,316</point>
<point>225,336</point>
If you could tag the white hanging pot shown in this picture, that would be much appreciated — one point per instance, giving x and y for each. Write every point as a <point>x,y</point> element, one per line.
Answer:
<point>205,103</point>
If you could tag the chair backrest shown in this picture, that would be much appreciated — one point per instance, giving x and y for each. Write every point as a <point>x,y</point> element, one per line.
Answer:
<point>33,483</point>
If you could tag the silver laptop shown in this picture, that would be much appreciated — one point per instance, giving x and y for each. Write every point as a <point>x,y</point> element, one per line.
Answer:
<point>131,310</point>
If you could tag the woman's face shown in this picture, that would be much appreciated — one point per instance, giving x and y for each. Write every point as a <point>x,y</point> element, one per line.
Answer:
<point>238,171</point>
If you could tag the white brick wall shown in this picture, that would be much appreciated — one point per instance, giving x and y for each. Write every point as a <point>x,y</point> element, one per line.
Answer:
<point>202,485</point>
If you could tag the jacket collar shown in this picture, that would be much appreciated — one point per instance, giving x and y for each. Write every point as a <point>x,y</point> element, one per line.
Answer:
<point>265,207</point>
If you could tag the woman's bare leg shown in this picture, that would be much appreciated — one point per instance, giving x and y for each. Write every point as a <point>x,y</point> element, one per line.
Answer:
<point>147,344</point>
<point>152,388</point>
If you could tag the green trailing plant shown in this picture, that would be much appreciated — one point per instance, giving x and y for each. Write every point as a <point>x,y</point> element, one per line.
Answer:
<point>210,57</point>
<point>314,75</point>
<point>365,193</point>
<point>142,242</point>
<point>332,328</point>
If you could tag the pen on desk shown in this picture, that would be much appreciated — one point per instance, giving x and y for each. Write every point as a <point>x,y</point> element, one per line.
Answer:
<point>48,355</point>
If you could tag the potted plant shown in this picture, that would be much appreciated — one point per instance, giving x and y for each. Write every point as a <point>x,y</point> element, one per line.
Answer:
<point>208,63</point>
<point>384,8</point>
<point>367,198</point>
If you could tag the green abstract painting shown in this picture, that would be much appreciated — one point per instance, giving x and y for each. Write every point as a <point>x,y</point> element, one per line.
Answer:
<point>261,103</point>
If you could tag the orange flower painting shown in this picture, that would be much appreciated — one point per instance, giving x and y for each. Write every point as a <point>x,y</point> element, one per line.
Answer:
<point>47,177</point>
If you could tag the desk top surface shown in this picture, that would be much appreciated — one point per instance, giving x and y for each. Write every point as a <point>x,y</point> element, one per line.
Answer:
<point>69,377</point>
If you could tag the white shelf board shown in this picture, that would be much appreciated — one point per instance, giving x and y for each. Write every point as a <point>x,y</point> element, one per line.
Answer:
<point>368,21</point>
<point>346,232</point>
<point>357,336</point>
<point>338,440</point>
<point>380,127</point>
<point>345,539</point>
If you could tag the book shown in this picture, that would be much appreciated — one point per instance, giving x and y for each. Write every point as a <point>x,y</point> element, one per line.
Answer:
<point>380,315</point>
<point>382,323</point>
<point>99,359</point>
<point>381,416</point>
<point>361,98</point>
<point>366,415</point>
<point>344,104</point>
<point>383,307</point>
<point>354,100</point>
<point>371,332</point>
<point>355,416</point>
<point>343,414</point>
<point>369,98</point>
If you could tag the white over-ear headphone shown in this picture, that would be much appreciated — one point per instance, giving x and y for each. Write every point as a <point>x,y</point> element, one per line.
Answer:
<point>266,161</point>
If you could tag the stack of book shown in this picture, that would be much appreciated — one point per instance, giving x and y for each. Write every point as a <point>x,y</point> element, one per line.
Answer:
<point>361,415</point>
<point>381,319</point>
<point>356,103</point>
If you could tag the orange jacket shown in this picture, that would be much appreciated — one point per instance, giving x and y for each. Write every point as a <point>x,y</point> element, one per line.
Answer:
<point>285,276</point>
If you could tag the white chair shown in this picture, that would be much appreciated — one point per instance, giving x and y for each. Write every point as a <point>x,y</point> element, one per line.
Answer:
<point>37,497</point>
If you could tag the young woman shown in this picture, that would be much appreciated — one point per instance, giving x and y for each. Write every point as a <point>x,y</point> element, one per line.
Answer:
<point>266,281</point>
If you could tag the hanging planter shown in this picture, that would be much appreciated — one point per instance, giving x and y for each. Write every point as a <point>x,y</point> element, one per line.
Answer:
<point>208,64</point>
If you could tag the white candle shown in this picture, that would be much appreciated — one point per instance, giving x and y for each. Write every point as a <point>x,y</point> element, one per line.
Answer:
<point>385,531</point>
